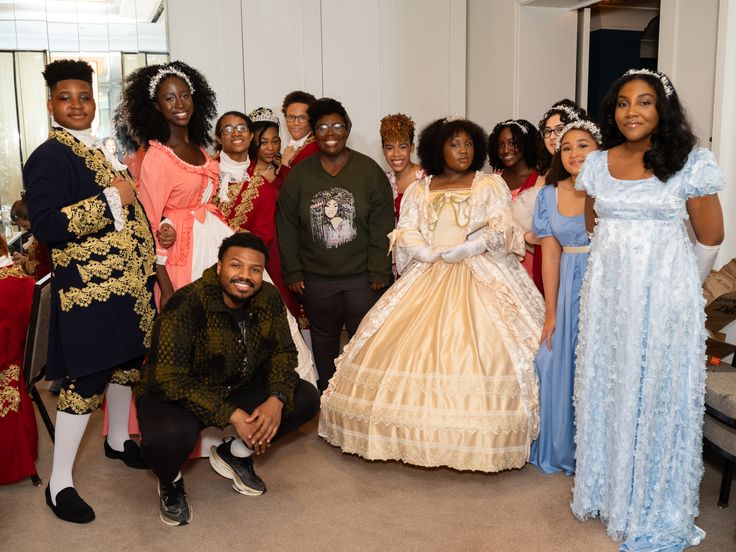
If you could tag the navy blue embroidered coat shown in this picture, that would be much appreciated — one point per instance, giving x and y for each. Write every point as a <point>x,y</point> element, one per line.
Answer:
<point>102,279</point>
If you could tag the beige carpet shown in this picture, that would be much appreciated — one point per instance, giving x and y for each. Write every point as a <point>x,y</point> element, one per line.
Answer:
<point>321,499</point>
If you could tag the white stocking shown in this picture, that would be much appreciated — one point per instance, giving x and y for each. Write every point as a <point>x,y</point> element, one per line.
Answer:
<point>118,409</point>
<point>69,431</point>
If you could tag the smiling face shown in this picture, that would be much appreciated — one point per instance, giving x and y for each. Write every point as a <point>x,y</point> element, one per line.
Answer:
<point>575,146</point>
<point>332,141</point>
<point>508,149</point>
<point>636,111</point>
<point>297,120</point>
<point>458,152</point>
<point>237,141</point>
<point>550,131</point>
<point>398,154</point>
<point>72,104</point>
<point>240,274</point>
<point>174,101</point>
<point>269,145</point>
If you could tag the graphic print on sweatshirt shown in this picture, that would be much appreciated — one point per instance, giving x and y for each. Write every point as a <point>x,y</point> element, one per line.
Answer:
<point>332,216</point>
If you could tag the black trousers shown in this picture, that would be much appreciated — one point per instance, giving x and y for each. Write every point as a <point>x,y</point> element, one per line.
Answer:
<point>169,432</point>
<point>330,304</point>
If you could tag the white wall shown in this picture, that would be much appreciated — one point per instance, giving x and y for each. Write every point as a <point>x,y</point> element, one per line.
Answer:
<point>521,59</point>
<point>377,57</point>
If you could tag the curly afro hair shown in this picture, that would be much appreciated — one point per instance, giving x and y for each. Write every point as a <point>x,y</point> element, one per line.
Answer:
<point>297,96</point>
<point>218,125</point>
<point>564,108</point>
<point>137,120</point>
<point>397,127</point>
<point>433,137</point>
<point>327,106</point>
<point>529,143</point>
<point>672,140</point>
<point>67,69</point>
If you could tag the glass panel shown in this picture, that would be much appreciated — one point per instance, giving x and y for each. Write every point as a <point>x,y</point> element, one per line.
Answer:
<point>32,96</point>
<point>7,35</point>
<point>93,37</point>
<point>34,10</point>
<point>7,11</point>
<point>131,62</point>
<point>63,37</point>
<point>32,35</point>
<point>123,37</point>
<point>11,182</point>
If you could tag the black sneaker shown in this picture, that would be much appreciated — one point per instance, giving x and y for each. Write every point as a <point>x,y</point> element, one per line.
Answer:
<point>173,502</point>
<point>240,470</point>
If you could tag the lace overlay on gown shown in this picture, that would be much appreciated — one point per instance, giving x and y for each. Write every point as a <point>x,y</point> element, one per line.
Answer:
<point>429,378</point>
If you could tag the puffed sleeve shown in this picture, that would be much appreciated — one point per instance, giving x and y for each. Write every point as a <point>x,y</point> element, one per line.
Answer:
<point>701,175</point>
<point>542,226</point>
<point>407,237</point>
<point>590,172</point>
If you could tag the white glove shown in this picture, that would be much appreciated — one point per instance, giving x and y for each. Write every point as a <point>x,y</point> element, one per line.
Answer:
<point>464,250</point>
<point>705,256</point>
<point>425,254</point>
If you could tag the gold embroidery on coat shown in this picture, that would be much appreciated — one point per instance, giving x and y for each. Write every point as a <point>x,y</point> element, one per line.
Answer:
<point>117,263</point>
<point>86,216</point>
<point>70,400</point>
<point>125,377</point>
<point>237,215</point>
<point>9,390</point>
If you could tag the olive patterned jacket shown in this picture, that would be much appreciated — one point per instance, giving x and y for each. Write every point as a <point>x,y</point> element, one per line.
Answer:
<point>198,357</point>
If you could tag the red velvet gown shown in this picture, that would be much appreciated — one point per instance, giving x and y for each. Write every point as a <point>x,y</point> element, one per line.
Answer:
<point>18,433</point>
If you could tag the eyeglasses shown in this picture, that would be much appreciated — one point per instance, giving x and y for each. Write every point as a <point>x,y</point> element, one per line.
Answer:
<point>337,128</point>
<point>303,118</point>
<point>547,132</point>
<point>227,130</point>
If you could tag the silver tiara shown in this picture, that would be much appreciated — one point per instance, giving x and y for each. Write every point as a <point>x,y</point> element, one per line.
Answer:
<point>452,118</point>
<point>668,89</point>
<point>164,72</point>
<point>572,115</point>
<point>263,114</point>
<point>517,123</point>
<point>580,124</point>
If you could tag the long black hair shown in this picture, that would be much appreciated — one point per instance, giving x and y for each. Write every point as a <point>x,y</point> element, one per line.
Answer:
<point>672,140</point>
<point>528,143</point>
<point>433,137</point>
<point>137,119</point>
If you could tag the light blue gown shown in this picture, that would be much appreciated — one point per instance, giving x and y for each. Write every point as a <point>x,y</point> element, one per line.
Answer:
<point>640,374</point>
<point>554,450</point>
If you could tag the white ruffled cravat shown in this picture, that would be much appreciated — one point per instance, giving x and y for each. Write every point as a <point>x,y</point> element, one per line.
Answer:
<point>231,171</point>
<point>92,142</point>
<point>296,144</point>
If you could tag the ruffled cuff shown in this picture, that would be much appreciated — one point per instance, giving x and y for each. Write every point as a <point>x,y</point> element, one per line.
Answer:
<point>116,207</point>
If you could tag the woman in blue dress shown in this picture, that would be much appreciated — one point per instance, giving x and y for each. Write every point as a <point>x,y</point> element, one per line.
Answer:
<point>640,374</point>
<point>559,221</point>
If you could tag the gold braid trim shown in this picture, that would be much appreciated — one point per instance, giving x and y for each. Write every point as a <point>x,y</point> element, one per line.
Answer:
<point>125,377</point>
<point>9,390</point>
<point>129,251</point>
<point>308,141</point>
<point>86,216</point>
<point>238,215</point>
<point>71,401</point>
<point>14,271</point>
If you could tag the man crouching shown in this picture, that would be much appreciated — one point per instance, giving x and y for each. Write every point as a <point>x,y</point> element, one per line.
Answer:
<point>221,353</point>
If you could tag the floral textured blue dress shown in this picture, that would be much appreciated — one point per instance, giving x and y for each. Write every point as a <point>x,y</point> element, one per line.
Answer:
<point>554,450</point>
<point>640,374</point>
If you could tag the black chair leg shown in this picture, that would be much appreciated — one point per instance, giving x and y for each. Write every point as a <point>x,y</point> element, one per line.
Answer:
<point>726,484</point>
<point>44,413</point>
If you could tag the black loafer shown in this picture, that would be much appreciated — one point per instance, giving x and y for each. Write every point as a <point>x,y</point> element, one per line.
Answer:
<point>131,455</point>
<point>70,506</point>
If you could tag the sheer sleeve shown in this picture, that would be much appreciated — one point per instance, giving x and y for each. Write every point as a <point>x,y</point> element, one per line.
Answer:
<point>701,175</point>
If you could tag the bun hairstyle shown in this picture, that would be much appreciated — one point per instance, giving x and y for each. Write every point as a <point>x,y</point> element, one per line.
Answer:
<point>67,69</point>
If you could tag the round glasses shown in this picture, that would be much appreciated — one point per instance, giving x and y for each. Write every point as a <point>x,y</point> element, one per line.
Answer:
<point>337,128</point>
<point>229,129</point>
<point>547,132</point>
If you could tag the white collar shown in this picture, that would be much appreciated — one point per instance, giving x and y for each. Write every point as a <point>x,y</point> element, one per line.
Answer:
<point>231,171</point>
<point>92,142</point>
<point>6,260</point>
<point>296,144</point>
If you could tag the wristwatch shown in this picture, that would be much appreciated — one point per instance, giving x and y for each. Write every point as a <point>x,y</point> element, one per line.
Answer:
<point>279,395</point>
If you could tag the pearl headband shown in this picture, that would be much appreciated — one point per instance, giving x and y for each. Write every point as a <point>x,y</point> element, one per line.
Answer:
<point>517,123</point>
<point>566,109</point>
<point>452,118</point>
<point>580,124</point>
<point>668,89</point>
<point>161,74</point>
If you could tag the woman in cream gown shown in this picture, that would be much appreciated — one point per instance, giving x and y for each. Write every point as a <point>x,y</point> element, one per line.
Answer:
<point>440,371</point>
